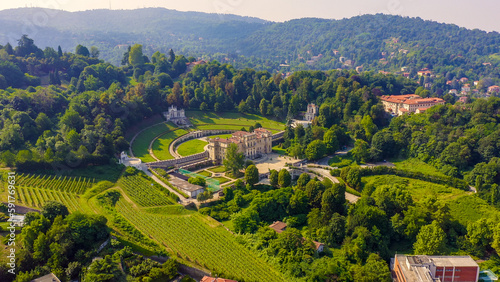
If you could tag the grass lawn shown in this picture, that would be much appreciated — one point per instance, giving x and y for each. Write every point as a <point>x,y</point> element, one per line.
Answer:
<point>470,208</point>
<point>246,120</point>
<point>191,147</point>
<point>341,161</point>
<point>221,136</point>
<point>277,149</point>
<point>141,143</point>
<point>222,180</point>
<point>417,165</point>
<point>417,188</point>
<point>218,169</point>
<point>205,173</point>
<point>160,146</point>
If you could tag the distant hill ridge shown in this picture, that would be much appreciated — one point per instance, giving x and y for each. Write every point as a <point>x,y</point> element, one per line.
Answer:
<point>375,42</point>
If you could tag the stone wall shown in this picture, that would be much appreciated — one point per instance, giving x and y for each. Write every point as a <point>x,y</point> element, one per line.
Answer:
<point>199,134</point>
<point>179,162</point>
<point>278,135</point>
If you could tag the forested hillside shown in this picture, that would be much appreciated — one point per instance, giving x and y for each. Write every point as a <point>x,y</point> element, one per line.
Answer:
<point>71,109</point>
<point>375,42</point>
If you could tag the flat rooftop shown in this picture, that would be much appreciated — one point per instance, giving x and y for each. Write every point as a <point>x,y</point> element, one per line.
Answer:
<point>419,271</point>
<point>184,185</point>
<point>453,261</point>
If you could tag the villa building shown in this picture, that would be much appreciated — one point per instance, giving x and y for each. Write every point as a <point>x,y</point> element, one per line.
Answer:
<point>405,104</point>
<point>251,144</point>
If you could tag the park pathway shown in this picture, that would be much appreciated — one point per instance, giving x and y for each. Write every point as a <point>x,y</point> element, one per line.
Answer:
<point>181,198</point>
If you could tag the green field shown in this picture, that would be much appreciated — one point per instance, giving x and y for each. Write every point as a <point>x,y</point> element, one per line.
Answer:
<point>76,185</point>
<point>140,145</point>
<point>205,173</point>
<point>161,145</point>
<point>470,208</point>
<point>227,126</point>
<point>235,119</point>
<point>221,180</point>
<point>202,241</point>
<point>144,191</point>
<point>217,169</point>
<point>191,147</point>
<point>464,206</point>
<point>35,198</point>
<point>34,190</point>
<point>417,165</point>
<point>417,188</point>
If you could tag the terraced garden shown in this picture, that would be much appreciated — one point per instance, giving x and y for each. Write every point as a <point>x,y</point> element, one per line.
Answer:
<point>196,146</point>
<point>161,145</point>
<point>199,118</point>
<point>191,147</point>
<point>202,241</point>
<point>167,132</point>
<point>141,143</point>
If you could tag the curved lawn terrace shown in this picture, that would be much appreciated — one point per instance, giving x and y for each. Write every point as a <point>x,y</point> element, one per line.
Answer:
<point>196,146</point>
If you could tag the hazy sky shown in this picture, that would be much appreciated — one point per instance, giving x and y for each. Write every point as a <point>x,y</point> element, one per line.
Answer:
<point>482,14</point>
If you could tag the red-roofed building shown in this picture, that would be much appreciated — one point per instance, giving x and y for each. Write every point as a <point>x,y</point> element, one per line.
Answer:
<point>405,104</point>
<point>494,89</point>
<point>212,279</point>
<point>319,246</point>
<point>278,226</point>
<point>424,72</point>
<point>190,66</point>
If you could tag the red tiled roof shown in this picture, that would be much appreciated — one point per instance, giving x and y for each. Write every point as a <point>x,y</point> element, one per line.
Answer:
<point>403,110</point>
<point>278,226</point>
<point>317,244</point>
<point>425,72</point>
<point>494,88</point>
<point>241,133</point>
<point>410,99</point>
<point>263,130</point>
<point>212,279</point>
<point>398,98</point>
<point>424,101</point>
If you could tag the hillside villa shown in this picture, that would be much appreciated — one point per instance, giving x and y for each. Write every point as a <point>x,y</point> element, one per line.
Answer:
<point>251,144</point>
<point>406,104</point>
